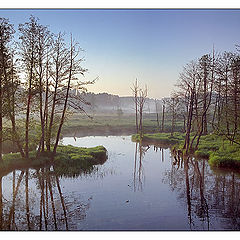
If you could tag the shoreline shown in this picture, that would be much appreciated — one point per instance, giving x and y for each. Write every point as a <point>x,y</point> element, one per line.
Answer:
<point>219,152</point>
<point>68,161</point>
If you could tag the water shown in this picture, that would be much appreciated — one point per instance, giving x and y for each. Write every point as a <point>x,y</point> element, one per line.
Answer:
<point>137,188</point>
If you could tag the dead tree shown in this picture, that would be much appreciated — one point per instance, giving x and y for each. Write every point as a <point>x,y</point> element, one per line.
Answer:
<point>163,114</point>
<point>188,83</point>
<point>141,101</point>
<point>135,90</point>
<point>156,106</point>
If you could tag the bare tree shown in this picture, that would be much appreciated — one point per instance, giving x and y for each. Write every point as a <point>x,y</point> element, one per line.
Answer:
<point>156,107</point>
<point>74,70</point>
<point>173,103</point>
<point>141,101</point>
<point>163,113</point>
<point>188,83</point>
<point>135,90</point>
<point>28,50</point>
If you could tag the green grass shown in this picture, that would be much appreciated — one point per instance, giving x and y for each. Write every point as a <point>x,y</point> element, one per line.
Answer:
<point>216,149</point>
<point>114,124</point>
<point>207,145</point>
<point>69,160</point>
<point>227,156</point>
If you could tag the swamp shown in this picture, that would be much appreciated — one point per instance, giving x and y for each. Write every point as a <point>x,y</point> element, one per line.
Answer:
<point>106,124</point>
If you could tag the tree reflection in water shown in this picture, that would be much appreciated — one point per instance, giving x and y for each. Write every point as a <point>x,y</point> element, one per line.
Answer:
<point>138,170</point>
<point>138,173</point>
<point>212,198</point>
<point>43,207</point>
<point>35,199</point>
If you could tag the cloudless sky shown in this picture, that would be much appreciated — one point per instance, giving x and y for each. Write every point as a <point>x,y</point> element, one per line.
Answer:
<point>151,45</point>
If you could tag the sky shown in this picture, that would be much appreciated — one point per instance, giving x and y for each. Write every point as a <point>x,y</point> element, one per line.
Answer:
<point>150,45</point>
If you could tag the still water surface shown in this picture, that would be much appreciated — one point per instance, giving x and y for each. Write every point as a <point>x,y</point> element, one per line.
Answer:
<point>137,188</point>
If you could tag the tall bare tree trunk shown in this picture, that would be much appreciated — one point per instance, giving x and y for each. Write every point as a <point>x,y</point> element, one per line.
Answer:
<point>205,131</point>
<point>158,125</point>
<point>65,102</point>
<point>41,142</point>
<point>28,110</point>
<point>135,94</point>
<point>45,114</point>
<point>173,116</point>
<point>163,117</point>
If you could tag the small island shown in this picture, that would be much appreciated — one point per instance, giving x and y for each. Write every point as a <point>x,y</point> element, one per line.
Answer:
<point>68,161</point>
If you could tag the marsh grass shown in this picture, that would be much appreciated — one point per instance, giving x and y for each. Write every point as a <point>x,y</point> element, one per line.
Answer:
<point>161,138</point>
<point>219,151</point>
<point>114,123</point>
<point>227,156</point>
<point>69,160</point>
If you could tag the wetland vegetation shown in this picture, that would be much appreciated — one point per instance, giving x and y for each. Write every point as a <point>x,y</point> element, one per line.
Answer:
<point>75,160</point>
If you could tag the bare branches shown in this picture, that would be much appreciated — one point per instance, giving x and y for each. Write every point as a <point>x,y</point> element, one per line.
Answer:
<point>140,97</point>
<point>51,83</point>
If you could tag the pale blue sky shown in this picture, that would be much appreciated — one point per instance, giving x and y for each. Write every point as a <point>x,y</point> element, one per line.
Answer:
<point>151,45</point>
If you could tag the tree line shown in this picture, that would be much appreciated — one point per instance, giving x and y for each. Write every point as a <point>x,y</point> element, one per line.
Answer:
<point>40,81</point>
<point>207,98</point>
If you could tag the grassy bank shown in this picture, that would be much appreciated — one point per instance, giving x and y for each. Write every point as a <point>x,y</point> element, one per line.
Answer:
<point>68,161</point>
<point>160,138</point>
<point>219,151</point>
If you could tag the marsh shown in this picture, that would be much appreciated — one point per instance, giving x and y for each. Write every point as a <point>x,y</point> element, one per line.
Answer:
<point>136,188</point>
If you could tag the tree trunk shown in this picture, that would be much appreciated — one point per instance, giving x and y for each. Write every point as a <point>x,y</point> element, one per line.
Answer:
<point>1,125</point>
<point>1,99</point>
<point>205,102</point>
<point>163,115</point>
<point>28,110</point>
<point>45,114</point>
<point>158,125</point>
<point>189,123</point>
<point>173,116</point>
<point>65,102</point>
<point>41,142</point>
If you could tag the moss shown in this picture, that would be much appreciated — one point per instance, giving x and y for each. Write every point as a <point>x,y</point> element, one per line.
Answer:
<point>228,156</point>
<point>69,160</point>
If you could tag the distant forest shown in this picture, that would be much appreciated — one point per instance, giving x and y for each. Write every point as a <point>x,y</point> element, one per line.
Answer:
<point>108,103</point>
